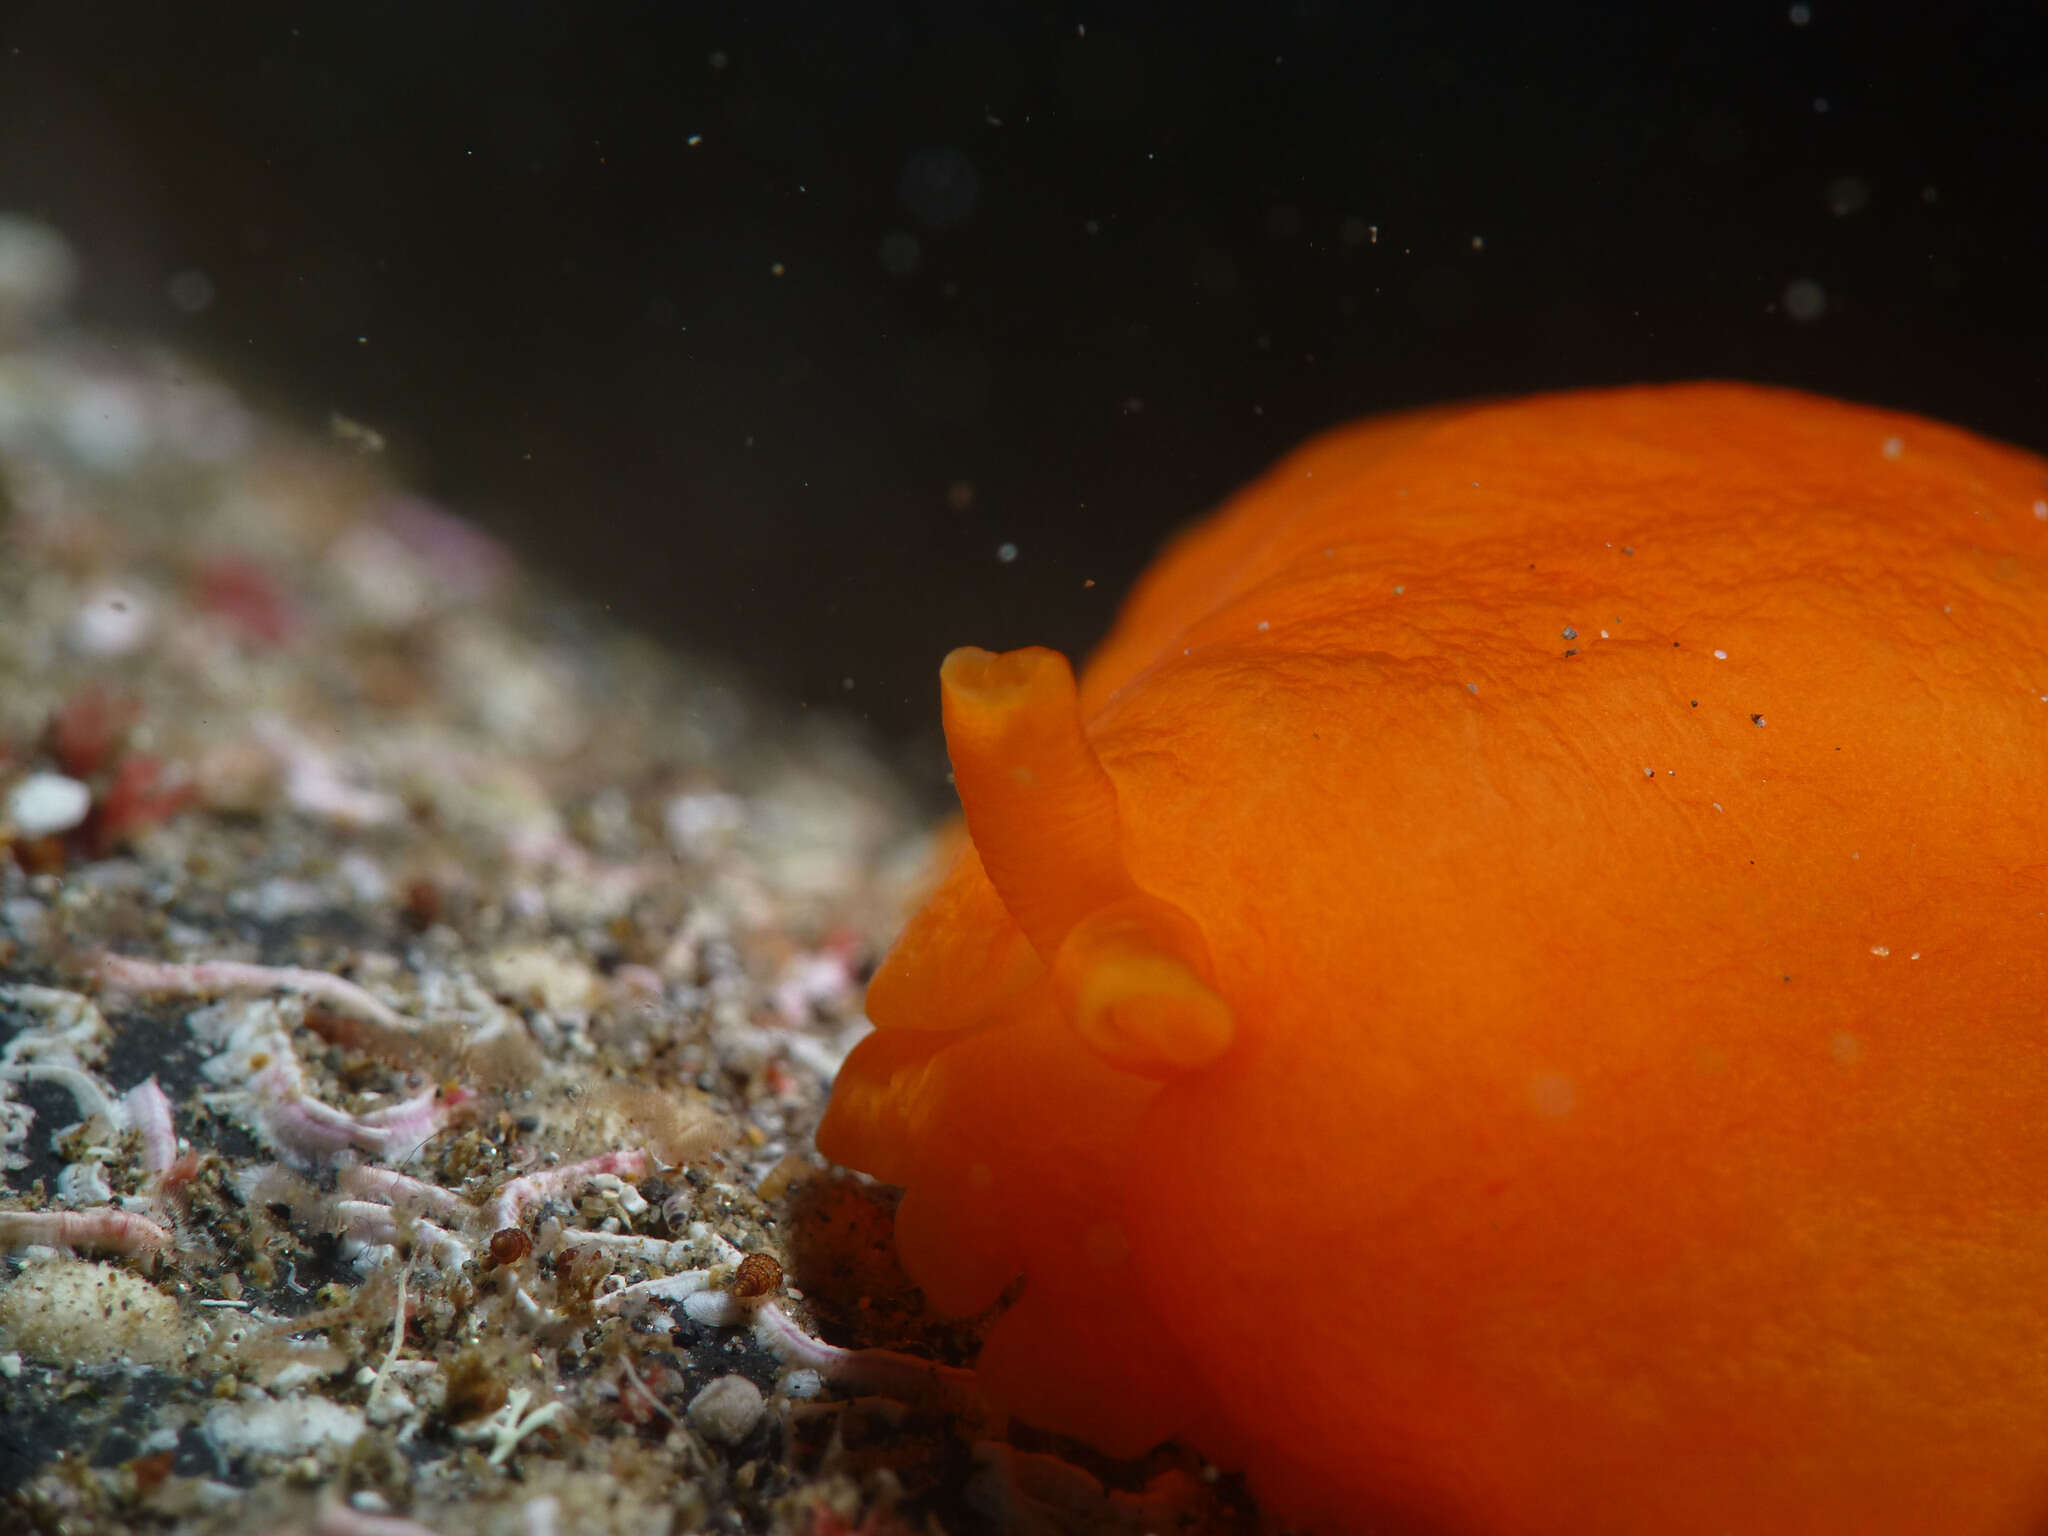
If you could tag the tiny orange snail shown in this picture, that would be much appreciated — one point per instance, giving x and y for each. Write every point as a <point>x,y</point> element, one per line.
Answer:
<point>758,1274</point>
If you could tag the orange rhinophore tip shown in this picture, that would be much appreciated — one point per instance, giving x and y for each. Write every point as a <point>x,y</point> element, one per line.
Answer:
<point>1131,969</point>
<point>1041,810</point>
<point>1511,999</point>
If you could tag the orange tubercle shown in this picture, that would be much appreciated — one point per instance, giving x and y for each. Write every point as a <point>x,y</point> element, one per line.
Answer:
<point>1132,980</point>
<point>1513,995</point>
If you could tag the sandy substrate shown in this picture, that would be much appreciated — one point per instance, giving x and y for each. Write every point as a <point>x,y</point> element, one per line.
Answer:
<point>416,997</point>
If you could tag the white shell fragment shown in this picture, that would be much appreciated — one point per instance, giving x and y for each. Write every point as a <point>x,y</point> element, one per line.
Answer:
<point>47,803</point>
<point>726,1412</point>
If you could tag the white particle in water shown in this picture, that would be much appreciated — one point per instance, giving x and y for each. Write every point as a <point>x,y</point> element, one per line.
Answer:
<point>1804,300</point>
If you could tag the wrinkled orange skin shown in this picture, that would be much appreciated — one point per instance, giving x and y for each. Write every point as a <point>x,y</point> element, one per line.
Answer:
<point>1637,1118</point>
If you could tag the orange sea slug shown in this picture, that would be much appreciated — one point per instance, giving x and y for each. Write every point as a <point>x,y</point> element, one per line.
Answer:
<point>1514,997</point>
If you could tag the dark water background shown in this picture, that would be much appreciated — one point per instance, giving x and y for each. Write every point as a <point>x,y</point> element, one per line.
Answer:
<point>773,325</point>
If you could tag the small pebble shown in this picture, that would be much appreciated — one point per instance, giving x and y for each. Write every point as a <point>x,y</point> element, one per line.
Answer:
<point>46,803</point>
<point>111,621</point>
<point>105,424</point>
<point>293,1427</point>
<point>726,1412</point>
<point>72,1312</point>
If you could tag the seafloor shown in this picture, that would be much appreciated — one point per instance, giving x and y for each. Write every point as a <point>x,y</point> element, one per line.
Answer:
<point>416,998</point>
